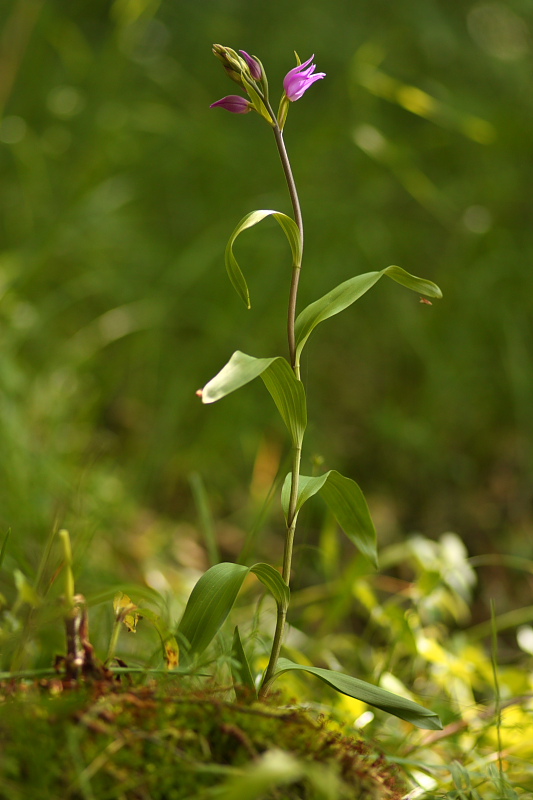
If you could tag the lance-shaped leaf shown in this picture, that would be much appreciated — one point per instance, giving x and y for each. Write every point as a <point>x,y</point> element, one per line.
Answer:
<point>348,292</point>
<point>213,598</point>
<point>291,231</point>
<point>240,669</point>
<point>346,502</point>
<point>273,581</point>
<point>367,693</point>
<point>287,391</point>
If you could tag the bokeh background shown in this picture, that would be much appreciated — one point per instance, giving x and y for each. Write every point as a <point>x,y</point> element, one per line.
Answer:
<point>119,188</point>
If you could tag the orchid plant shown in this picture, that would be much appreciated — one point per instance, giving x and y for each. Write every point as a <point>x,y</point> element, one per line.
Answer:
<point>215,593</point>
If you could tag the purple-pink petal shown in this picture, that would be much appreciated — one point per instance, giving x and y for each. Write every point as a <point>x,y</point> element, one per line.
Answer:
<point>300,78</point>
<point>296,70</point>
<point>234,103</point>
<point>255,67</point>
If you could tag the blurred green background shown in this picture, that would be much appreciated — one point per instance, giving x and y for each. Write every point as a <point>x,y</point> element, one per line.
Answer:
<point>119,188</point>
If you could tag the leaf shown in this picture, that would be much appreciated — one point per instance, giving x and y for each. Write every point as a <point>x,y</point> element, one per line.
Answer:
<point>418,285</point>
<point>347,503</point>
<point>373,695</point>
<point>275,584</point>
<point>291,232</point>
<point>213,598</point>
<point>348,292</point>
<point>286,390</point>
<point>210,602</point>
<point>242,675</point>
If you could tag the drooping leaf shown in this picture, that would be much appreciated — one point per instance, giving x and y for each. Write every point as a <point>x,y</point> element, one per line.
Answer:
<point>241,672</point>
<point>273,581</point>
<point>213,598</point>
<point>286,390</point>
<point>346,502</point>
<point>291,232</point>
<point>348,292</point>
<point>418,285</point>
<point>373,695</point>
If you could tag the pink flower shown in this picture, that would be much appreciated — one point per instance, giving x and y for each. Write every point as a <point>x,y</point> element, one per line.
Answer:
<point>233,103</point>
<point>299,79</point>
<point>255,68</point>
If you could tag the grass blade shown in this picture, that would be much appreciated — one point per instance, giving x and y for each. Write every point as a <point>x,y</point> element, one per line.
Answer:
<point>207,526</point>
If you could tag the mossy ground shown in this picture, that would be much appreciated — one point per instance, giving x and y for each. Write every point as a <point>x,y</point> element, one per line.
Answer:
<point>163,742</point>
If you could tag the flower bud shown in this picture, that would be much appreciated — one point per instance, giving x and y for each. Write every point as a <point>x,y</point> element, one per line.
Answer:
<point>236,66</point>
<point>233,103</point>
<point>231,62</point>
<point>255,67</point>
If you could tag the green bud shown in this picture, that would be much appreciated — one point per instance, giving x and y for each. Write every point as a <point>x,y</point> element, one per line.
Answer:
<point>234,65</point>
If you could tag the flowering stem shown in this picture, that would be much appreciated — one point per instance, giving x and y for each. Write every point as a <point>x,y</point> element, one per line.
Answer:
<point>297,450</point>
<point>293,192</point>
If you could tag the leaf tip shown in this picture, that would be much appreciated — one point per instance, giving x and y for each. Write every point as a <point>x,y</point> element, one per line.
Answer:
<point>436,292</point>
<point>433,723</point>
<point>199,392</point>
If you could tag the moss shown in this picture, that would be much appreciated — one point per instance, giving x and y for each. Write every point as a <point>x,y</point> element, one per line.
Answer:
<point>160,742</point>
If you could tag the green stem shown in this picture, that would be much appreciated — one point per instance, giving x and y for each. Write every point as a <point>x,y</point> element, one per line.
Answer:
<point>297,450</point>
<point>292,516</point>
<point>114,640</point>
<point>293,294</point>
<point>287,561</point>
